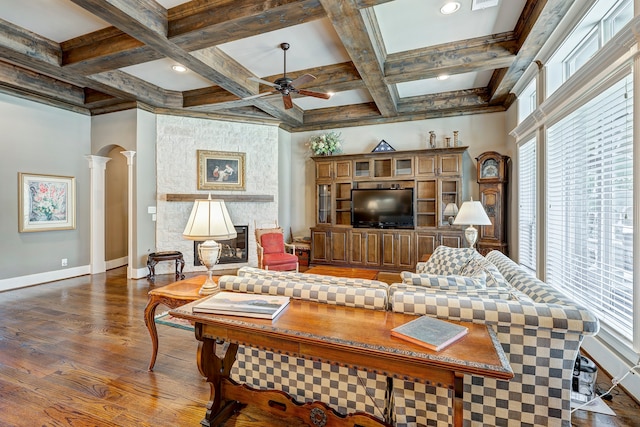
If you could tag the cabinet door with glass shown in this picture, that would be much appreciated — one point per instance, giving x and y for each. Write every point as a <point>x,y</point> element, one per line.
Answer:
<point>323,199</point>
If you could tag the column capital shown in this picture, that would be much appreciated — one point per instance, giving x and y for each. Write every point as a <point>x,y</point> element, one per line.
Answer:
<point>129,155</point>
<point>97,161</point>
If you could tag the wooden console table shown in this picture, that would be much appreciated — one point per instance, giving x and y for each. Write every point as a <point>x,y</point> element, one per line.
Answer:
<point>342,335</point>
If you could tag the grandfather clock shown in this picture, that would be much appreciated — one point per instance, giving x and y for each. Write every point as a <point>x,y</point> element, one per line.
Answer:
<point>492,177</point>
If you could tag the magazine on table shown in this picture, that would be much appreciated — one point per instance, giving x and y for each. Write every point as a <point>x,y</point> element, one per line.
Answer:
<point>243,304</point>
<point>429,332</point>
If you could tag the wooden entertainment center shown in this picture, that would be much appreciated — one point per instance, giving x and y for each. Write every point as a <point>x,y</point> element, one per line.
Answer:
<point>436,177</point>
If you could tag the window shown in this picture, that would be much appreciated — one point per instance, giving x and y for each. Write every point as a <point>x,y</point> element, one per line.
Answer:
<point>527,102</point>
<point>527,204</point>
<point>601,23</point>
<point>589,203</point>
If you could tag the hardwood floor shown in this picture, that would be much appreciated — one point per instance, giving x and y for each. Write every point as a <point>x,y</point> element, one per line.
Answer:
<point>75,353</point>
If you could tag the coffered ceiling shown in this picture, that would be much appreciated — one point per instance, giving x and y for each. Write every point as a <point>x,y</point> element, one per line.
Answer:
<point>380,59</point>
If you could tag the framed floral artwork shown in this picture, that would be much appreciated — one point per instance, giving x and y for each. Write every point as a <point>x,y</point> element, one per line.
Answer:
<point>46,202</point>
<point>220,170</point>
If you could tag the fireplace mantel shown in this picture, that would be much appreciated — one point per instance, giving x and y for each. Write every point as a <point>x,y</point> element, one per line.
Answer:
<point>255,198</point>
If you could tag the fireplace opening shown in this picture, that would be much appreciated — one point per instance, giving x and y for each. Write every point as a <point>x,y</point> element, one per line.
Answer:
<point>233,250</point>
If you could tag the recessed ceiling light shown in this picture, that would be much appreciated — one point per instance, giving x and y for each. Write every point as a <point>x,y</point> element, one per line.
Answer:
<point>450,7</point>
<point>179,68</point>
<point>443,77</point>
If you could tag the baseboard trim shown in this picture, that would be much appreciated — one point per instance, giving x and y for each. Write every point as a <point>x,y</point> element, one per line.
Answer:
<point>40,278</point>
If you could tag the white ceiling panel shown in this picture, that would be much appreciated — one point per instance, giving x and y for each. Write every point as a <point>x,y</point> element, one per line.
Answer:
<point>413,24</point>
<point>161,74</point>
<point>455,82</point>
<point>347,97</point>
<point>312,45</point>
<point>57,20</point>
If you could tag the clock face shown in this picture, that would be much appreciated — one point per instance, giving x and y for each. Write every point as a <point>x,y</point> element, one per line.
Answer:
<point>489,169</point>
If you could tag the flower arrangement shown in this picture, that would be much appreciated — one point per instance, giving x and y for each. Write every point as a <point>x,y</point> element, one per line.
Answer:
<point>325,144</point>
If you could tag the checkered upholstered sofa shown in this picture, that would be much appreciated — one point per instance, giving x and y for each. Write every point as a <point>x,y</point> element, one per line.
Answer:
<point>540,330</point>
<point>344,389</point>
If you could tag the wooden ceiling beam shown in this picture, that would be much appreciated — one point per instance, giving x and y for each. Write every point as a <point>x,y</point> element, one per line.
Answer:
<point>350,25</point>
<point>480,54</point>
<point>536,24</point>
<point>346,113</point>
<point>27,80</point>
<point>192,26</point>
<point>454,100</point>
<point>138,89</point>
<point>197,25</point>
<point>147,22</point>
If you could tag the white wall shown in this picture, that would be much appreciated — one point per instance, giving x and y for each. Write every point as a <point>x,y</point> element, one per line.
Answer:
<point>482,132</point>
<point>178,140</point>
<point>37,138</point>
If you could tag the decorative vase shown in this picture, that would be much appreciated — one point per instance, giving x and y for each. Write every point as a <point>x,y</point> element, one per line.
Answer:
<point>455,138</point>
<point>432,139</point>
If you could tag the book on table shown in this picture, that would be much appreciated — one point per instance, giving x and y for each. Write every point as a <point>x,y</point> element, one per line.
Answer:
<point>429,332</point>
<point>243,304</point>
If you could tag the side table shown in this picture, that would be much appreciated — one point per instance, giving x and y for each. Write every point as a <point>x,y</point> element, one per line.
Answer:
<point>156,257</point>
<point>173,296</point>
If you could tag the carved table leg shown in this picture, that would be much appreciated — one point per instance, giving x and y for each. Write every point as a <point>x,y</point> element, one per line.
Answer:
<point>149,320</point>
<point>179,268</point>
<point>215,368</point>
<point>151,265</point>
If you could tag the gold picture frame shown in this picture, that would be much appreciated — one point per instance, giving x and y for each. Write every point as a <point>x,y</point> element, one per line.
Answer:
<point>46,202</point>
<point>220,170</point>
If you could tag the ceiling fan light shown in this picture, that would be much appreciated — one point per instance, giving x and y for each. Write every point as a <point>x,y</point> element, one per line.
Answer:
<point>450,7</point>
<point>179,68</point>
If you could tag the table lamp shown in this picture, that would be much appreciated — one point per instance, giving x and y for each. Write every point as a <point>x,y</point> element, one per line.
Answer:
<point>472,213</point>
<point>450,212</point>
<point>209,221</point>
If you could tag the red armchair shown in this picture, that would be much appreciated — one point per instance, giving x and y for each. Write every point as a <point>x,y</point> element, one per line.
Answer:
<point>273,252</point>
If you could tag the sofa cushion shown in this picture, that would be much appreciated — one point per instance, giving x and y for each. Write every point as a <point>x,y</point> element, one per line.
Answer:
<point>444,282</point>
<point>478,264</point>
<point>446,261</point>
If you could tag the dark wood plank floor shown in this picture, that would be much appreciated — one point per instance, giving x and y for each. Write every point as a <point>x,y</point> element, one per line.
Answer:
<point>75,353</point>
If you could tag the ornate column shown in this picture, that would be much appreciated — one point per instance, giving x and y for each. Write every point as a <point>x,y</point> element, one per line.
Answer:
<point>129,155</point>
<point>97,165</point>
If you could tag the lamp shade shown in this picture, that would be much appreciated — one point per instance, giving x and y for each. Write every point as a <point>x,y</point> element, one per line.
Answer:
<point>472,213</point>
<point>209,220</point>
<point>451,209</point>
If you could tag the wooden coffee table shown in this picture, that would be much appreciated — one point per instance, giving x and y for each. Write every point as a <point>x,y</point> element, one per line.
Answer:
<point>173,295</point>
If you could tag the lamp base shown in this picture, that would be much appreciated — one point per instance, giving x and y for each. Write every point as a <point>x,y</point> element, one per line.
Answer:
<point>209,254</point>
<point>471,234</point>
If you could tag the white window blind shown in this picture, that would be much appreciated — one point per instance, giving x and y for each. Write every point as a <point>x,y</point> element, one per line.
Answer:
<point>527,204</point>
<point>589,203</point>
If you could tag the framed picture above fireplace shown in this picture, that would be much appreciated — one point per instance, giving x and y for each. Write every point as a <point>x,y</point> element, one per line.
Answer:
<point>233,250</point>
<point>220,170</point>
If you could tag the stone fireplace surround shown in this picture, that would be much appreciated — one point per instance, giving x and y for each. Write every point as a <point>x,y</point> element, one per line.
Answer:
<point>178,139</point>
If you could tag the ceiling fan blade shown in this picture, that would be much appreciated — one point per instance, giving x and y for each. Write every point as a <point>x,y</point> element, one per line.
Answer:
<point>288,102</point>
<point>302,80</point>
<point>264,82</point>
<point>314,94</point>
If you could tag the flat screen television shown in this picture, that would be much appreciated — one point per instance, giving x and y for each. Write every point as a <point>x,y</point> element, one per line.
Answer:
<point>382,208</point>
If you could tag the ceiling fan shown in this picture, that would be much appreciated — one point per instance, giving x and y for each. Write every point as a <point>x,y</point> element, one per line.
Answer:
<point>286,86</point>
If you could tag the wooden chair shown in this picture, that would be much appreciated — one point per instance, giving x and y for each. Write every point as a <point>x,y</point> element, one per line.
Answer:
<point>273,252</point>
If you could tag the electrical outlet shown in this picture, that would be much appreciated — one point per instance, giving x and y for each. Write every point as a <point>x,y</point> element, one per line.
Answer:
<point>64,262</point>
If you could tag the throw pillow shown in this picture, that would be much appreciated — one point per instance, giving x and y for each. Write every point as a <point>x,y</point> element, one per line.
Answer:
<point>479,264</point>
<point>447,261</point>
